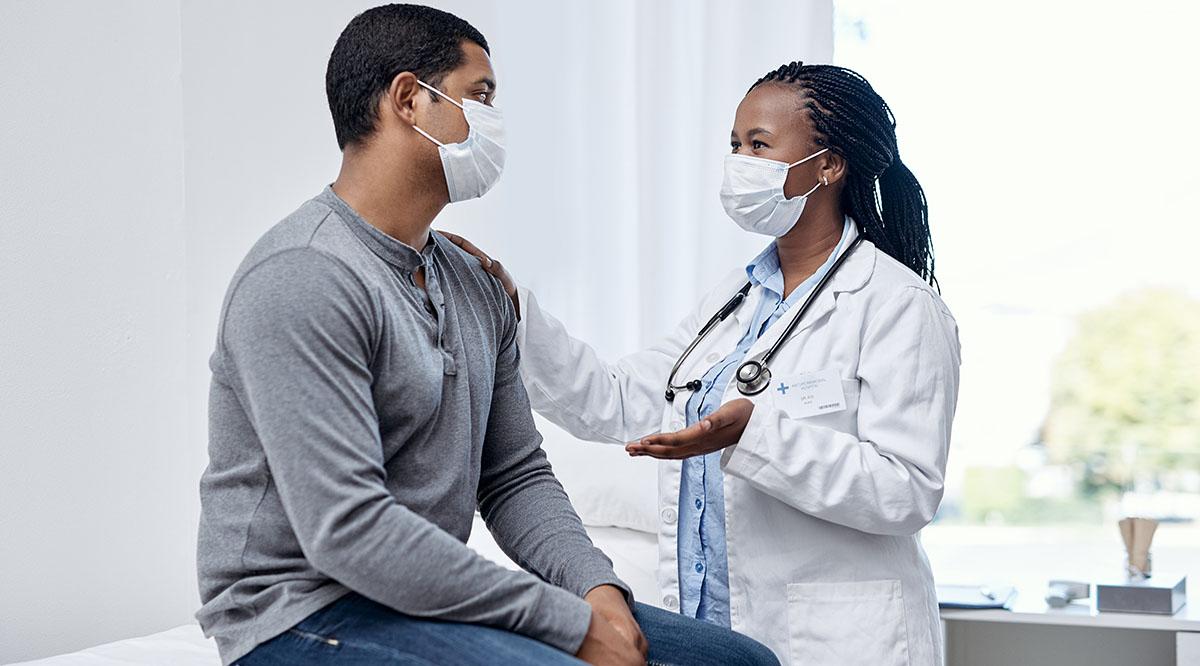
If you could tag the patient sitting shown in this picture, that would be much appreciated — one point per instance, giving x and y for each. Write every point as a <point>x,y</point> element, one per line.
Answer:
<point>365,401</point>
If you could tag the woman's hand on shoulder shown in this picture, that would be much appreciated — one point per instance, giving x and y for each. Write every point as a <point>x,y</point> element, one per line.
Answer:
<point>492,266</point>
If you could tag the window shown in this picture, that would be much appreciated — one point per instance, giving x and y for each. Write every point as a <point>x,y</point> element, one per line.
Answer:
<point>1058,148</point>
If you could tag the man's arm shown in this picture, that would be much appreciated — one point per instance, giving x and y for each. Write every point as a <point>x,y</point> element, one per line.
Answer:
<point>525,506</point>
<point>520,499</point>
<point>299,333</point>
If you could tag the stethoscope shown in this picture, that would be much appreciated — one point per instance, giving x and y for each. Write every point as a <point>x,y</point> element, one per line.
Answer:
<point>753,376</point>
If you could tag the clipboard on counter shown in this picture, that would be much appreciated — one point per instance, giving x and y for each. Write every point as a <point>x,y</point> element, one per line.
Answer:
<point>976,596</point>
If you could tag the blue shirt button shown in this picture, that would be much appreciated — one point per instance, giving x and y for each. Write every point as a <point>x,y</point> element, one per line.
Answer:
<point>699,568</point>
<point>699,503</point>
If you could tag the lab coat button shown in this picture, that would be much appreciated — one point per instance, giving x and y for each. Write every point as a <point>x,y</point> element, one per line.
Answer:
<point>669,516</point>
<point>671,602</point>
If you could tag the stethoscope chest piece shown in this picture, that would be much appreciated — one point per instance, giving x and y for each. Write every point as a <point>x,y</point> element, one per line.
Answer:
<point>753,378</point>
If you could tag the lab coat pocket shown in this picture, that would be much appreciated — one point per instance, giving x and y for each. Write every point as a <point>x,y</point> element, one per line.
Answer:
<point>859,622</point>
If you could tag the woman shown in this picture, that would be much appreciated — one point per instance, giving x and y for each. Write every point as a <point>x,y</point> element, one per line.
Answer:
<point>790,505</point>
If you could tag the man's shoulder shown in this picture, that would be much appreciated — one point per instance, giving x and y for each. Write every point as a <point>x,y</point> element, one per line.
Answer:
<point>482,289</point>
<point>297,230</point>
<point>302,256</point>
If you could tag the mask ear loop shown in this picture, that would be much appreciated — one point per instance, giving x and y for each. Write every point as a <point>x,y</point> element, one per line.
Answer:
<point>814,189</point>
<point>425,134</point>
<point>823,150</point>
<point>447,97</point>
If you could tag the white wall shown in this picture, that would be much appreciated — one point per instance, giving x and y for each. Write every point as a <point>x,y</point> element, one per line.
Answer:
<point>97,483</point>
<point>618,113</point>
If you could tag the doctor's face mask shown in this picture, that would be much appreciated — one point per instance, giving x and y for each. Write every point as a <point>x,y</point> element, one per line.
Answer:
<point>752,194</point>
<point>473,165</point>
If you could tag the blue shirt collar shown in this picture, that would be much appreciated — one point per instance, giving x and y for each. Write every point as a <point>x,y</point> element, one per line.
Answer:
<point>764,270</point>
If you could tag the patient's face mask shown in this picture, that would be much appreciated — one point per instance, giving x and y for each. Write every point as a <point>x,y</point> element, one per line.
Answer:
<point>752,194</point>
<point>473,166</point>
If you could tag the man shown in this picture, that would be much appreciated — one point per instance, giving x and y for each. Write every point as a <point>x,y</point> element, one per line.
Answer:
<point>366,400</point>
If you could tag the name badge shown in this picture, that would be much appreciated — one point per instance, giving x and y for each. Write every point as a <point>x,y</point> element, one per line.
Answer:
<point>810,394</point>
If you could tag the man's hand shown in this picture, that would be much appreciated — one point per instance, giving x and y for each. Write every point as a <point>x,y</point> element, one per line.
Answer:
<point>722,428</point>
<point>492,266</point>
<point>613,637</point>
<point>611,604</point>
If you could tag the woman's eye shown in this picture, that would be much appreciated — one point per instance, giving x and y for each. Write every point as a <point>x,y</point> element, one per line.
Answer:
<point>757,145</point>
<point>734,146</point>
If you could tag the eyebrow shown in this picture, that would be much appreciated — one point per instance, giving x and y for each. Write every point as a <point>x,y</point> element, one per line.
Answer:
<point>756,131</point>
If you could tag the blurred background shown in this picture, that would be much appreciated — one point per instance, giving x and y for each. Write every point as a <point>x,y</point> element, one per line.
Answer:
<point>145,145</point>
<point>1055,143</point>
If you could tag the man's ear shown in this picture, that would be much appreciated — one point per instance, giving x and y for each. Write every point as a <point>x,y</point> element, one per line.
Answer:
<point>833,168</point>
<point>401,97</point>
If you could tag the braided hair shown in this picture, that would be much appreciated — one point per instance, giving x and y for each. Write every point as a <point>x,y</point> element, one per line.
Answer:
<point>852,120</point>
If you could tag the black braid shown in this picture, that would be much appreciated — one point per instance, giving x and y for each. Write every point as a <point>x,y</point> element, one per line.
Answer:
<point>853,121</point>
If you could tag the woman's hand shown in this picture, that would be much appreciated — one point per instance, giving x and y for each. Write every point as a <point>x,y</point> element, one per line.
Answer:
<point>719,430</point>
<point>492,266</point>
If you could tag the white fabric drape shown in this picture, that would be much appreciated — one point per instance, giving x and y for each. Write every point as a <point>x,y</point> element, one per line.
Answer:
<point>618,118</point>
<point>204,123</point>
<point>619,115</point>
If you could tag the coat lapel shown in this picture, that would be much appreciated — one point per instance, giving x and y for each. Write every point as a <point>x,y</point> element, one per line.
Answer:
<point>850,277</point>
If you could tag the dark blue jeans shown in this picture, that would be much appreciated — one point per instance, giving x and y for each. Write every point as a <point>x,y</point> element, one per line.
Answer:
<point>357,631</point>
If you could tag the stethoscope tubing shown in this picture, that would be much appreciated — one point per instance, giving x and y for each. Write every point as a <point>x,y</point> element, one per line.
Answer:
<point>753,376</point>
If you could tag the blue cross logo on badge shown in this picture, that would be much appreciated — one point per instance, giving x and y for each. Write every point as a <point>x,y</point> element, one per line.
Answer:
<point>783,388</point>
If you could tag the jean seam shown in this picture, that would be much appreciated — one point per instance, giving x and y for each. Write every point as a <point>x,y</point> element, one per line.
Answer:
<point>327,640</point>
<point>366,646</point>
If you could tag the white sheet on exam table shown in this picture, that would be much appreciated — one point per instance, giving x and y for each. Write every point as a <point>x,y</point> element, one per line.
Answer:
<point>634,556</point>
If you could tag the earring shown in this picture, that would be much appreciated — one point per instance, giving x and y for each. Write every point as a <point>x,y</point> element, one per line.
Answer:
<point>825,180</point>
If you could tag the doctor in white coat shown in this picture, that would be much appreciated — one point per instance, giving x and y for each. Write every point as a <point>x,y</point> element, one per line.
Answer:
<point>790,507</point>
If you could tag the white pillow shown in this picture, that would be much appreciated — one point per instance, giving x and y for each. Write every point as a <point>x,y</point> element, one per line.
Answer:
<point>607,487</point>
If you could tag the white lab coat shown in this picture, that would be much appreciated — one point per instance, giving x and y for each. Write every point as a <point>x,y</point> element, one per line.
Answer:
<point>822,513</point>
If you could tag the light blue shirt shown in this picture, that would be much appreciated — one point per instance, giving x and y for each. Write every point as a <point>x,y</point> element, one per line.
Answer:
<point>703,564</point>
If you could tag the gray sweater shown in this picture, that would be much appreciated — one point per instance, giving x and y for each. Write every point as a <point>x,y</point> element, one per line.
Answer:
<point>356,422</point>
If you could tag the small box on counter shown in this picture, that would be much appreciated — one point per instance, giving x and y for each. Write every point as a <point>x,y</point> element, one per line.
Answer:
<point>1161,594</point>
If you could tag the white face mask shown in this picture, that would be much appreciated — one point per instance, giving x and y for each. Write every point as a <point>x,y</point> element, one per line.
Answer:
<point>473,166</point>
<point>752,194</point>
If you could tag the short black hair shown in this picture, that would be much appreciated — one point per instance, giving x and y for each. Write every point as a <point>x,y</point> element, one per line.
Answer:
<point>377,45</point>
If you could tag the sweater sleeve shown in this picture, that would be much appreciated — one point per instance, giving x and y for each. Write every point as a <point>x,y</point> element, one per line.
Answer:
<point>520,499</point>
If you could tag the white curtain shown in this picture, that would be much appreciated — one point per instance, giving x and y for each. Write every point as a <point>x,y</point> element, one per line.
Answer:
<point>204,123</point>
<point>619,115</point>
